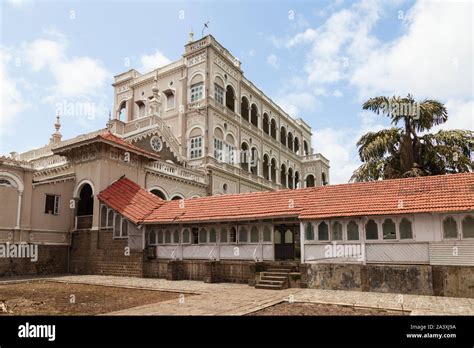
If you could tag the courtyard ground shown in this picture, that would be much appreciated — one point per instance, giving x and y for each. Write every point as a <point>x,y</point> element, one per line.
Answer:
<point>199,298</point>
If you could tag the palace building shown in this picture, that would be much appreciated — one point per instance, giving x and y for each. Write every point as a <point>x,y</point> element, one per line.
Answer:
<point>199,175</point>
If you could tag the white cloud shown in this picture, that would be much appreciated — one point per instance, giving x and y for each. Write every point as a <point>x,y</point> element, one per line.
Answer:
<point>460,115</point>
<point>295,103</point>
<point>11,102</point>
<point>152,61</point>
<point>273,61</point>
<point>309,35</point>
<point>432,59</point>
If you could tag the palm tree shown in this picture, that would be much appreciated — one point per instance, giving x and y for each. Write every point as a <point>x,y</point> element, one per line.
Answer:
<point>410,150</point>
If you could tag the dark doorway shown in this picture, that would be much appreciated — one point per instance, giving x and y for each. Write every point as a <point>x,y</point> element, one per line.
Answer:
<point>286,241</point>
<point>85,208</point>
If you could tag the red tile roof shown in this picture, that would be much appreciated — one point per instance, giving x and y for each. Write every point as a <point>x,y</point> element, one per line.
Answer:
<point>130,200</point>
<point>453,192</point>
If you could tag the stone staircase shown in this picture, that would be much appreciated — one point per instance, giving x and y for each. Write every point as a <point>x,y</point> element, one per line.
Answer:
<point>274,278</point>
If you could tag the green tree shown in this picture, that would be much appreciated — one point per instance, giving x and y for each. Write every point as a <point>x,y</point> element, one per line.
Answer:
<point>409,150</point>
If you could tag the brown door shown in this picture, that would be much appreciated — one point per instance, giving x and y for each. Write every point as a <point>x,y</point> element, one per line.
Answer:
<point>284,239</point>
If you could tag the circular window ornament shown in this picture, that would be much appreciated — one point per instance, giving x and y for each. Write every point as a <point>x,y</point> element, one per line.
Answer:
<point>156,143</point>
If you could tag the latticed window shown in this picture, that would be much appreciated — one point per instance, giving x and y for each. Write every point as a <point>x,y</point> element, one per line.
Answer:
<point>186,238</point>
<point>176,236</point>
<point>203,235</point>
<point>117,223</point>
<point>336,230</point>
<point>309,231</point>
<point>323,231</point>
<point>450,228</point>
<point>223,235</point>
<point>212,235</point>
<point>167,236</point>
<point>352,231</point>
<point>160,237</point>
<point>124,228</point>
<point>219,94</point>
<point>218,149</point>
<point>197,92</point>
<point>195,147</point>
<point>103,216</point>
<point>254,234</point>
<point>153,237</point>
<point>110,218</point>
<point>233,235</point>
<point>389,229</point>
<point>371,230</point>
<point>230,153</point>
<point>405,228</point>
<point>243,235</point>
<point>468,227</point>
<point>267,234</point>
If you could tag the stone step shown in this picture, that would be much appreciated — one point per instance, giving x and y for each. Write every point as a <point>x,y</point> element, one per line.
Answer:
<point>271,282</point>
<point>272,277</point>
<point>268,287</point>
<point>277,274</point>
<point>283,270</point>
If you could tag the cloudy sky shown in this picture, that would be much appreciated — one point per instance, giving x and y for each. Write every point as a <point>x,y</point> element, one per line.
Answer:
<point>319,60</point>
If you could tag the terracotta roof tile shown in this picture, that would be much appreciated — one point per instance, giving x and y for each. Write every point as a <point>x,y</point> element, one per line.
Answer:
<point>453,192</point>
<point>109,137</point>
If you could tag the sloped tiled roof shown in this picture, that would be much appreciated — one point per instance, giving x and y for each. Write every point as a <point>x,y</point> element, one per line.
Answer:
<point>111,139</point>
<point>130,199</point>
<point>453,192</point>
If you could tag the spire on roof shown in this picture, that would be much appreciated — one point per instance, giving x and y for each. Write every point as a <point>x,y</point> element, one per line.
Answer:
<point>56,136</point>
<point>191,36</point>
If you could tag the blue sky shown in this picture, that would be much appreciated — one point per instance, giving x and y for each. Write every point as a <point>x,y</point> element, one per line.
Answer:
<point>318,59</point>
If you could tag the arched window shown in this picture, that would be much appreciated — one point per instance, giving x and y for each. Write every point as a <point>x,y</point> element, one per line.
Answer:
<point>267,233</point>
<point>305,148</point>
<point>336,231</point>
<point>274,170</point>
<point>122,111</point>
<point>229,149</point>
<point>230,98</point>
<point>176,236</point>
<point>323,231</point>
<point>290,141</point>
<point>103,216</point>
<point>352,231</point>
<point>405,229</point>
<point>371,230</point>
<point>288,236</point>
<point>152,237</point>
<point>203,236</point>
<point>177,197</point>
<point>212,235</point>
<point>195,143</point>
<point>323,179</point>
<point>161,237</point>
<point>244,109</point>
<point>254,161</point>
<point>283,135</point>
<point>117,224</point>
<point>297,180</point>
<point>232,235</point>
<point>468,227</point>
<point>297,146</point>
<point>196,92</point>
<point>219,93</point>
<point>450,228</point>
<point>245,157</point>
<point>169,95</point>
<point>310,180</point>
<point>389,230</point>
<point>186,236</point>
<point>159,193</point>
<point>167,236</point>
<point>291,179</point>
<point>254,115</point>
<point>223,235</point>
<point>266,123</point>
<point>309,231</point>
<point>283,176</point>
<point>266,167</point>
<point>243,234</point>
<point>273,128</point>
<point>124,228</point>
<point>141,108</point>
<point>110,218</point>
<point>254,234</point>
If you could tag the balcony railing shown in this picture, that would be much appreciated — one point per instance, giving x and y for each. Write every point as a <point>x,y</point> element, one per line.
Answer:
<point>177,171</point>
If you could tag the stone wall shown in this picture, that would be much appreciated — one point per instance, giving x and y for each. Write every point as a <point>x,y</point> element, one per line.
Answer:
<point>456,281</point>
<point>96,252</point>
<point>52,259</point>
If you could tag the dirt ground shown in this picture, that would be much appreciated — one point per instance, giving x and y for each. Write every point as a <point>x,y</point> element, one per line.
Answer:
<point>314,309</point>
<point>52,298</point>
